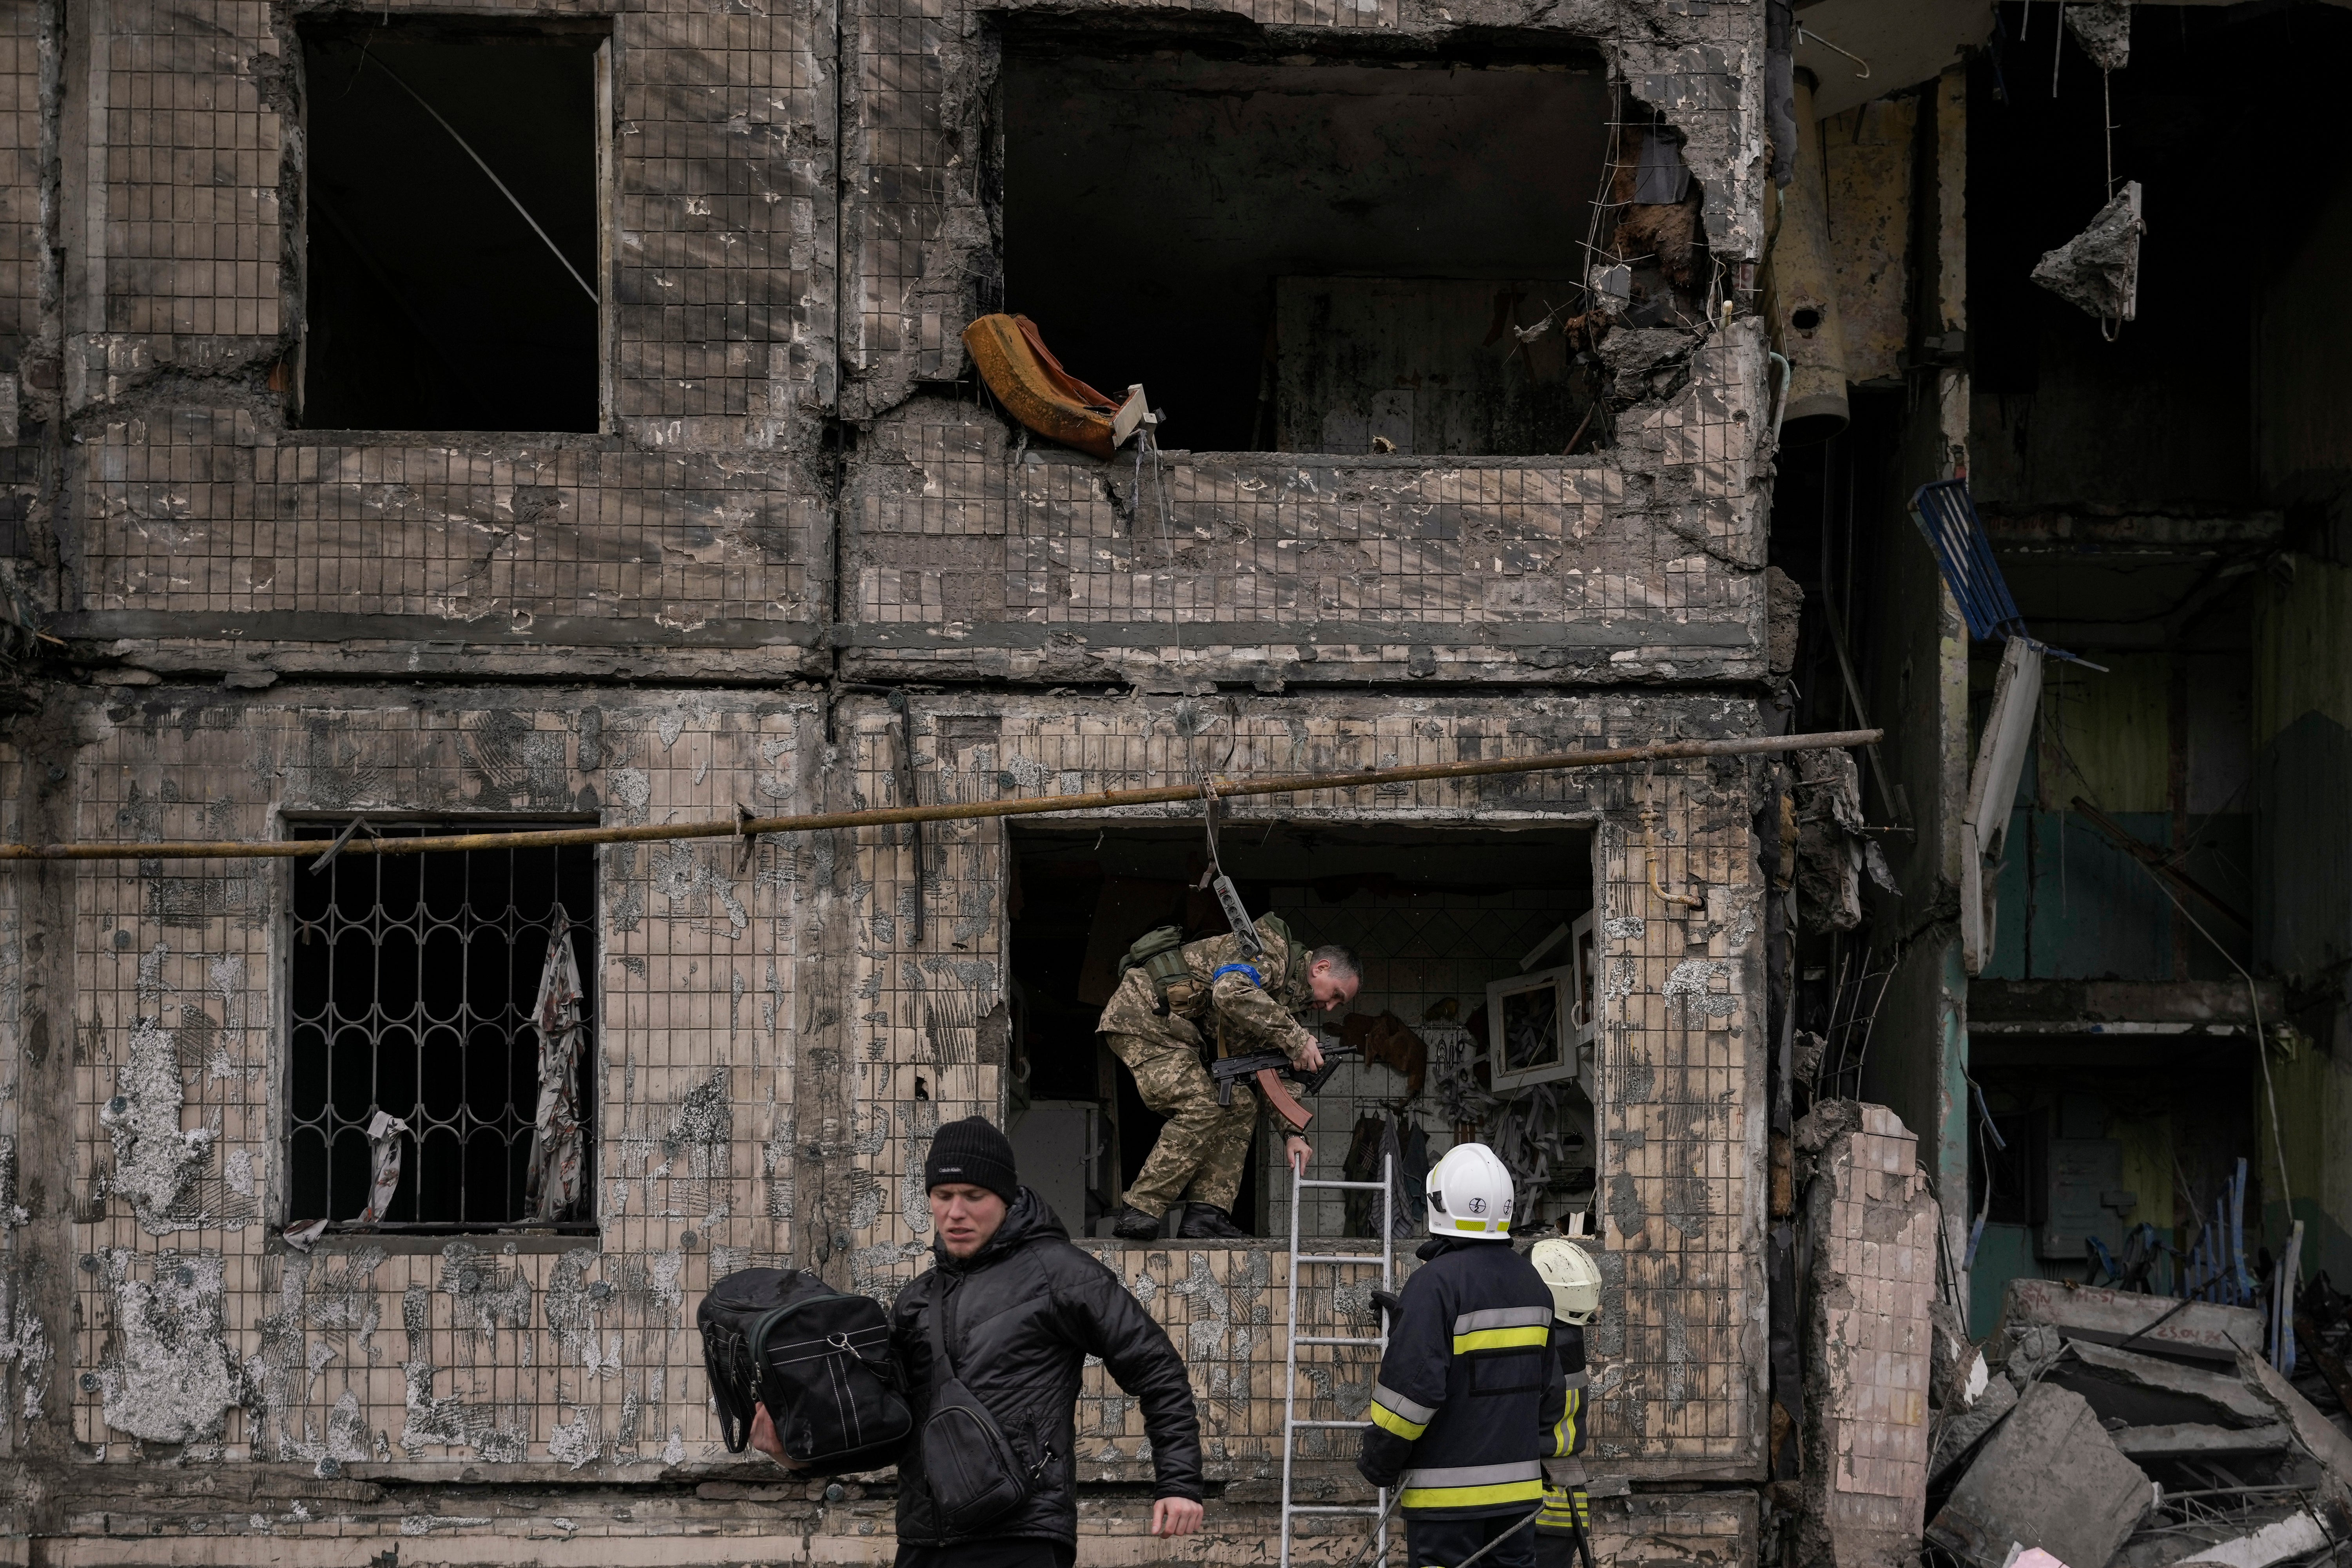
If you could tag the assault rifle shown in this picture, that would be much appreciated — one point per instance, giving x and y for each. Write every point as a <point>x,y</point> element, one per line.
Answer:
<point>1263,1066</point>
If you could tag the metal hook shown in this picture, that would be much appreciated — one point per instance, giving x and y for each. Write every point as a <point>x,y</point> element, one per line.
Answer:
<point>1804,32</point>
<point>1211,803</point>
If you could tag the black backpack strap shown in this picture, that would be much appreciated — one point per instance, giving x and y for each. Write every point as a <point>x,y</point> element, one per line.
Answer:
<point>942,1369</point>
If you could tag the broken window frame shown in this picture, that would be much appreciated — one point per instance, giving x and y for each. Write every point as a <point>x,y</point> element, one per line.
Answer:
<point>586,954</point>
<point>443,28</point>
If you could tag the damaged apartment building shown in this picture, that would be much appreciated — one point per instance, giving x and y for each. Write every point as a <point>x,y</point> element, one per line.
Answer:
<point>421,419</point>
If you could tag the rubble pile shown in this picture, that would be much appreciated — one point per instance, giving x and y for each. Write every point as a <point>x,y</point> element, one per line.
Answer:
<point>2109,1429</point>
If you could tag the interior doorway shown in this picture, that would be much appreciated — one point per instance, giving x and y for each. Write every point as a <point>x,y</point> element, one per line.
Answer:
<point>1444,922</point>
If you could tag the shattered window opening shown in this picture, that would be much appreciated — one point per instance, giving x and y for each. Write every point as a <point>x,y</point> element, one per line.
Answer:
<point>452,228</point>
<point>416,992</point>
<point>1306,253</point>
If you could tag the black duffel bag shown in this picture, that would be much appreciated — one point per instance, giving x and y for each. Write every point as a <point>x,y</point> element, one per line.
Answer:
<point>818,1359</point>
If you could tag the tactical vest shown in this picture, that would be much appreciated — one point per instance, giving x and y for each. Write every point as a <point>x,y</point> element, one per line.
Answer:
<point>1159,954</point>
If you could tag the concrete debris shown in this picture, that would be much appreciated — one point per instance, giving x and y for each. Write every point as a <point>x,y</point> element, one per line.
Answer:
<point>2298,1536</point>
<point>2050,1477</point>
<point>2148,1391</point>
<point>2031,1352</point>
<point>2156,1325</point>
<point>2097,272</point>
<point>2194,1441</point>
<point>2314,1433</point>
<point>1961,1431</point>
<point>2103,28</point>
<point>2121,1406</point>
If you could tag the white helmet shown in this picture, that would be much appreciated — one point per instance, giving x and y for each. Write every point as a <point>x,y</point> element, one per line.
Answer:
<point>1574,1278</point>
<point>1470,1194</point>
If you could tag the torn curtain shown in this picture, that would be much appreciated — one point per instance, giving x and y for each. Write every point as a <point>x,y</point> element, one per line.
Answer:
<point>551,1186</point>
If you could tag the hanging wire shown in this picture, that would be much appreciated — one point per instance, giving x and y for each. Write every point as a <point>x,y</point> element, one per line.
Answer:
<point>479,162</point>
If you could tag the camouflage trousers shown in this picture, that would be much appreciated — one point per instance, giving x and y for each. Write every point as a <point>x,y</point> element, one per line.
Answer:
<point>1204,1146</point>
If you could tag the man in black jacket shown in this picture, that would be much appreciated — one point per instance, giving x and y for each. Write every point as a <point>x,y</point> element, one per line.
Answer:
<point>1023,1308</point>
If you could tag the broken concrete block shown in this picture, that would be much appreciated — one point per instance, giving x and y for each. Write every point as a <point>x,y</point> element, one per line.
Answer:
<point>2295,1536</point>
<point>1960,1432</point>
<point>2030,1352</point>
<point>2050,1477</point>
<point>1873,1226</point>
<point>2196,1441</point>
<point>2148,1391</point>
<point>2315,1433</point>
<point>2097,272</point>
<point>2103,28</point>
<point>2201,1329</point>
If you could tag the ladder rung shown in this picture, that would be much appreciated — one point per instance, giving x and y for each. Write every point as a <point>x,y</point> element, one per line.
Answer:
<point>1331,1508</point>
<point>1370,1257</point>
<point>1348,1186</point>
<point>1334,1340</point>
<point>1353,1425</point>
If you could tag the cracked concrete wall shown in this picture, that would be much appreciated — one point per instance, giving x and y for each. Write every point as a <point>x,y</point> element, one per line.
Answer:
<point>774,1050</point>
<point>178,519</point>
<point>1873,1222</point>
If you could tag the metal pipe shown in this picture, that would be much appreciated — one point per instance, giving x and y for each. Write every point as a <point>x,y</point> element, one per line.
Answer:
<point>813,822</point>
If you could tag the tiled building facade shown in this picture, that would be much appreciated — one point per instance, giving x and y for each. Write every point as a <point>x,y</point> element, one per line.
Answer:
<point>793,504</point>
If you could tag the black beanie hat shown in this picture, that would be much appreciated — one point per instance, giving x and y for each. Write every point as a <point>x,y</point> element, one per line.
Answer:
<point>975,1152</point>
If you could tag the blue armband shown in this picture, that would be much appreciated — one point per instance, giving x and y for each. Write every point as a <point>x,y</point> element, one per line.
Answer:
<point>1255,977</point>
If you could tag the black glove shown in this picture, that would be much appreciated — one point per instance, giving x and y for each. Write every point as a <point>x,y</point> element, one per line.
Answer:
<point>1388,1301</point>
<point>1379,1478</point>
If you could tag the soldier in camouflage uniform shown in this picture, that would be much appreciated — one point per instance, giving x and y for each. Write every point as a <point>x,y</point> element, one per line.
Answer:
<point>1232,1006</point>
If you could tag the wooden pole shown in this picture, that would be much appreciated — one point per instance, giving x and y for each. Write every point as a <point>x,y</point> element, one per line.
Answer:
<point>749,827</point>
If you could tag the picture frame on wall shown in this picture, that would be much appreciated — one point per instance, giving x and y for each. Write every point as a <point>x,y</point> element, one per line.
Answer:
<point>1531,1027</point>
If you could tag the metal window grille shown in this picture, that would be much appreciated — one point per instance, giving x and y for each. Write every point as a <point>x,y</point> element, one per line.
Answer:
<point>411,987</point>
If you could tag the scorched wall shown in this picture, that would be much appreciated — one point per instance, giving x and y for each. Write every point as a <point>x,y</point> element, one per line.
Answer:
<point>796,492</point>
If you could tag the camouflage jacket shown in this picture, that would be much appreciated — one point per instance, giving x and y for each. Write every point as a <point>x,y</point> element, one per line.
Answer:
<point>1240,1018</point>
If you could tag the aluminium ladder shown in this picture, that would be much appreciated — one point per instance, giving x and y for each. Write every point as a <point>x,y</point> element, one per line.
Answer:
<point>1291,1425</point>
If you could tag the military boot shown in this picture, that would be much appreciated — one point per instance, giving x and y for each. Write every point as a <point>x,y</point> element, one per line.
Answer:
<point>1207,1222</point>
<point>1134,1224</point>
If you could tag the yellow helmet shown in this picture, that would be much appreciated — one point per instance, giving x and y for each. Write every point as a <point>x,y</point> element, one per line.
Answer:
<point>1574,1278</point>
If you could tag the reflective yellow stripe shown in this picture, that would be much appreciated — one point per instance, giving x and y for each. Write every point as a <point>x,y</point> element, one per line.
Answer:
<point>1500,1339</point>
<point>1471,1496</point>
<point>1388,1420</point>
<point>1564,1434</point>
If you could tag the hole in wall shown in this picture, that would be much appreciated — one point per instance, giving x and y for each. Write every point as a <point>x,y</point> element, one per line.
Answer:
<point>1302,253</point>
<point>430,301</point>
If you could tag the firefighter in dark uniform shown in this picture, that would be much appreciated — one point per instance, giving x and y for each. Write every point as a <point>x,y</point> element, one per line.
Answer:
<point>1470,1401</point>
<point>1563,1531</point>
